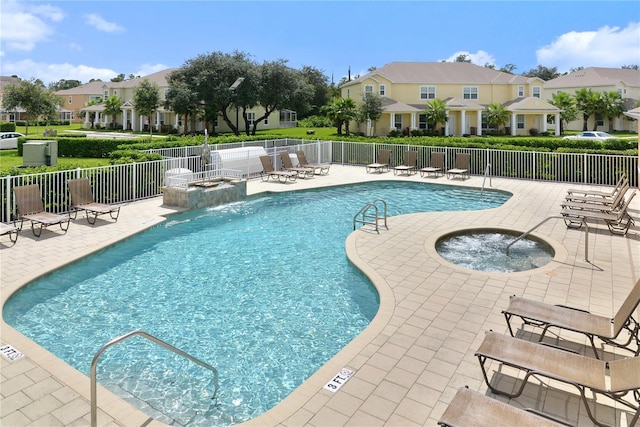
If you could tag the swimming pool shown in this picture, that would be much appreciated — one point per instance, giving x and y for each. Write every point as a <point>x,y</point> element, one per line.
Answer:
<point>261,289</point>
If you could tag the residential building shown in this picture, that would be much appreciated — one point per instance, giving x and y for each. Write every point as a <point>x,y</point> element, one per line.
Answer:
<point>624,81</point>
<point>408,87</point>
<point>163,120</point>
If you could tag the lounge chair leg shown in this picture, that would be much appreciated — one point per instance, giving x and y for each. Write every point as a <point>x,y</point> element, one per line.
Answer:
<point>95,217</point>
<point>33,229</point>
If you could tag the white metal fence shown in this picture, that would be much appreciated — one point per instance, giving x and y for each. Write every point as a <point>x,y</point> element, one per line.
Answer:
<point>136,181</point>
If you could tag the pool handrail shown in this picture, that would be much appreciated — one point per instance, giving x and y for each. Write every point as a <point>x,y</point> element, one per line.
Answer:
<point>94,364</point>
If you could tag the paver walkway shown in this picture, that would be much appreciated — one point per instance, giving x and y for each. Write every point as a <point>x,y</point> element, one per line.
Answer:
<point>418,349</point>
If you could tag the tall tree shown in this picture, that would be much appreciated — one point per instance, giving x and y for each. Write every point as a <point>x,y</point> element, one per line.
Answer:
<point>543,73</point>
<point>318,83</point>
<point>567,104</point>
<point>64,84</point>
<point>112,107</point>
<point>587,103</point>
<point>496,115</point>
<point>340,112</point>
<point>181,99</point>
<point>146,100</point>
<point>436,113</point>
<point>118,78</point>
<point>463,57</point>
<point>31,96</point>
<point>508,68</point>
<point>370,109</point>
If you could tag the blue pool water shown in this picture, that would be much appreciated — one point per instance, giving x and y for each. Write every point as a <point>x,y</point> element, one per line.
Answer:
<point>261,289</point>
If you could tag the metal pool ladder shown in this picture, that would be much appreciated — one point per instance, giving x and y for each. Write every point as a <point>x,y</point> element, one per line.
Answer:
<point>370,215</point>
<point>94,364</point>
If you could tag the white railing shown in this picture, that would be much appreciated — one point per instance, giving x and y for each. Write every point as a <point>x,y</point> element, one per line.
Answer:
<point>136,181</point>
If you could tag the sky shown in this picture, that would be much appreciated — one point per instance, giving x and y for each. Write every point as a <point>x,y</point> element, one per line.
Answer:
<point>91,39</point>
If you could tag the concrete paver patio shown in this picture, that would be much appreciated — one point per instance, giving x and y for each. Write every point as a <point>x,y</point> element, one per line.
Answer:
<point>415,353</point>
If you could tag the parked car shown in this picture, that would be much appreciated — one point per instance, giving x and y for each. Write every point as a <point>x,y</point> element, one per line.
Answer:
<point>9,140</point>
<point>591,136</point>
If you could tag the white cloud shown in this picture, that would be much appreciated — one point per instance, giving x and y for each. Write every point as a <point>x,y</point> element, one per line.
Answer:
<point>479,58</point>
<point>147,69</point>
<point>24,25</point>
<point>101,24</point>
<point>605,47</point>
<point>50,73</point>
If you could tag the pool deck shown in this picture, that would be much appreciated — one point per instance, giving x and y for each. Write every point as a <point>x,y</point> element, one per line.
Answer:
<point>415,354</point>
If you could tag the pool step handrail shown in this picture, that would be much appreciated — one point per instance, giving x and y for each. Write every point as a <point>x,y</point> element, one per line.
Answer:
<point>94,364</point>
<point>486,174</point>
<point>370,215</point>
<point>526,233</point>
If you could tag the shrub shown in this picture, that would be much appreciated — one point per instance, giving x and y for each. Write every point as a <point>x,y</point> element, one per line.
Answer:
<point>7,127</point>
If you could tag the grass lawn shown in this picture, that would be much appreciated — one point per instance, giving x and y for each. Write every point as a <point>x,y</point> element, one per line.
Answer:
<point>10,159</point>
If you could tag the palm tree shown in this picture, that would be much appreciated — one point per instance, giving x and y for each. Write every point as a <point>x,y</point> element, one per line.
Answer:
<point>113,106</point>
<point>611,106</point>
<point>437,113</point>
<point>341,111</point>
<point>496,115</point>
<point>587,102</point>
<point>567,104</point>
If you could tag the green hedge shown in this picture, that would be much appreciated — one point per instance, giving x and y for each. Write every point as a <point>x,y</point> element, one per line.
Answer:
<point>7,127</point>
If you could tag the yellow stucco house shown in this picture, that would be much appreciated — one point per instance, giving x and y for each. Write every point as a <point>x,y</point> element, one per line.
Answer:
<point>407,88</point>
<point>624,81</point>
<point>163,120</point>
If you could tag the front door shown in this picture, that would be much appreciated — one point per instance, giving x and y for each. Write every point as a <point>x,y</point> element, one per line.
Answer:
<point>452,124</point>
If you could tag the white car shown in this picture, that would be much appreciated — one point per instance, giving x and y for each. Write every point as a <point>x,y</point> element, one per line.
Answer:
<point>591,136</point>
<point>9,140</point>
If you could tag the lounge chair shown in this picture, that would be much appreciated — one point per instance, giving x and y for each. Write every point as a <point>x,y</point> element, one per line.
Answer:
<point>287,165</point>
<point>319,168</point>
<point>470,408</point>
<point>600,204</point>
<point>269,172</point>
<point>597,193</point>
<point>584,373</point>
<point>82,200</point>
<point>607,198</point>
<point>436,165</point>
<point>606,329</point>
<point>618,220</point>
<point>383,162</point>
<point>30,207</point>
<point>9,229</point>
<point>463,162</point>
<point>409,164</point>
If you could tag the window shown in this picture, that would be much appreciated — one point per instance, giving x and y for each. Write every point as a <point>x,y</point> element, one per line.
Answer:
<point>106,93</point>
<point>251,118</point>
<point>427,92</point>
<point>470,92</point>
<point>368,90</point>
<point>520,91</point>
<point>70,99</point>
<point>520,121</point>
<point>115,92</point>
<point>397,121</point>
<point>600,119</point>
<point>535,91</point>
<point>621,92</point>
<point>382,90</point>
<point>95,98</point>
<point>422,121</point>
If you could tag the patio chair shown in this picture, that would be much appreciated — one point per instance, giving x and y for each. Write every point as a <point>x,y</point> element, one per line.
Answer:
<point>462,163</point>
<point>319,168</point>
<point>618,219</point>
<point>287,164</point>
<point>409,164</point>
<point>470,408</point>
<point>82,200</point>
<point>436,165</point>
<point>573,193</point>
<point>593,326</point>
<point>383,162</point>
<point>29,207</point>
<point>269,172</point>
<point>584,373</point>
<point>600,204</point>
<point>9,229</point>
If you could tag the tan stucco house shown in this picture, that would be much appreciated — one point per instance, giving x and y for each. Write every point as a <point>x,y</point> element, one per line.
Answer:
<point>79,98</point>
<point>625,81</point>
<point>407,88</point>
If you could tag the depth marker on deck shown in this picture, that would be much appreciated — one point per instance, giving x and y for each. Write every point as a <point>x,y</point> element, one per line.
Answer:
<point>339,379</point>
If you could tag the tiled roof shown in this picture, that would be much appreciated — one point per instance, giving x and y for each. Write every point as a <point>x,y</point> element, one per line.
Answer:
<point>441,73</point>
<point>97,88</point>
<point>596,76</point>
